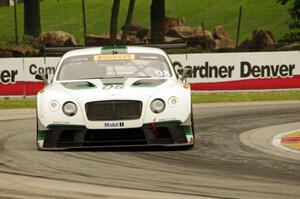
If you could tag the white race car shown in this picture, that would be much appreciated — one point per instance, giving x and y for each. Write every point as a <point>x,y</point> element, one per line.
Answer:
<point>114,96</point>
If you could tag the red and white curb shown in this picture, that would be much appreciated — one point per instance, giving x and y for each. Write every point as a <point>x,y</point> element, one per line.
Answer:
<point>277,141</point>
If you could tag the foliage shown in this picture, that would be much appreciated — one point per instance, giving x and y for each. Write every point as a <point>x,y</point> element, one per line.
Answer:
<point>66,15</point>
<point>210,97</point>
<point>294,26</point>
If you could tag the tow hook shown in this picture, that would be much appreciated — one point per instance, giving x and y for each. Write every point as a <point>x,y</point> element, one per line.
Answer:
<point>154,130</point>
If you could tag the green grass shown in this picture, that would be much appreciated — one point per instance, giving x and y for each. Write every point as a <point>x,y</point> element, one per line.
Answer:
<point>196,98</point>
<point>66,15</point>
<point>245,96</point>
<point>17,103</point>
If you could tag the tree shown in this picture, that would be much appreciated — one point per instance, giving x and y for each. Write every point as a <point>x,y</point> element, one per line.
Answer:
<point>32,21</point>
<point>294,26</point>
<point>128,21</point>
<point>157,21</point>
<point>114,21</point>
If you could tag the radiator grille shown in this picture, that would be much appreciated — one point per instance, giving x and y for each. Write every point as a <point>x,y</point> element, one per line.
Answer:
<point>113,110</point>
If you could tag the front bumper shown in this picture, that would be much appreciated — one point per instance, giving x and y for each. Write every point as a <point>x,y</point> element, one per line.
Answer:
<point>160,134</point>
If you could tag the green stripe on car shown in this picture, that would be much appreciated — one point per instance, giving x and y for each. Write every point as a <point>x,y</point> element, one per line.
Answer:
<point>188,130</point>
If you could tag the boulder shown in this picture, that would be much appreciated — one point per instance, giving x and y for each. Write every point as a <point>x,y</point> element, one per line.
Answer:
<point>18,52</point>
<point>181,32</point>
<point>261,39</point>
<point>193,35</point>
<point>173,40</point>
<point>94,40</point>
<point>171,22</point>
<point>222,39</point>
<point>5,53</point>
<point>293,46</point>
<point>142,33</point>
<point>136,30</point>
<point>104,39</point>
<point>54,38</point>
<point>132,39</point>
<point>247,44</point>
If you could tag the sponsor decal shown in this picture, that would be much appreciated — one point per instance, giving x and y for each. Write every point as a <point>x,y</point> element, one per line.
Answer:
<point>114,57</point>
<point>113,124</point>
<point>113,86</point>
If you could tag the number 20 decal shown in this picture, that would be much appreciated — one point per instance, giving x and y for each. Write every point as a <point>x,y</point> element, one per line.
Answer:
<point>113,86</point>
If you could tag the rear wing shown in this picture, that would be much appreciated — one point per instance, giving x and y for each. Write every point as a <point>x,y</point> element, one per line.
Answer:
<point>59,51</point>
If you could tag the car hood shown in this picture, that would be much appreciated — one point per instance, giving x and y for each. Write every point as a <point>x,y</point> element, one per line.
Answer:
<point>132,88</point>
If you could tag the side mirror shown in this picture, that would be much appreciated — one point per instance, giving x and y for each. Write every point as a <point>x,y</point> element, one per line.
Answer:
<point>42,77</point>
<point>186,72</point>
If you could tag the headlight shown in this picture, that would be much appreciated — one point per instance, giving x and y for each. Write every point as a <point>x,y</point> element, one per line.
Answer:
<point>157,106</point>
<point>69,108</point>
<point>54,105</point>
<point>173,101</point>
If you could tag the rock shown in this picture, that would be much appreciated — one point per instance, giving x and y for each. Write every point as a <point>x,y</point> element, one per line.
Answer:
<point>104,39</point>
<point>5,53</point>
<point>222,38</point>
<point>142,33</point>
<point>193,35</point>
<point>94,40</point>
<point>133,39</point>
<point>171,22</point>
<point>247,44</point>
<point>294,46</point>
<point>54,38</point>
<point>173,40</point>
<point>262,38</point>
<point>138,31</point>
<point>181,32</point>
<point>18,52</point>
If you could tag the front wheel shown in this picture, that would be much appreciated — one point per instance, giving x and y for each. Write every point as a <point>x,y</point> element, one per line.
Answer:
<point>191,132</point>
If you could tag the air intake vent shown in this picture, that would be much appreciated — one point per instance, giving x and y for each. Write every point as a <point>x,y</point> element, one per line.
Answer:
<point>114,110</point>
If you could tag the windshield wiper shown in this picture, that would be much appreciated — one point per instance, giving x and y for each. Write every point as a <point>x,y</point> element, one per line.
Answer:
<point>113,77</point>
<point>143,76</point>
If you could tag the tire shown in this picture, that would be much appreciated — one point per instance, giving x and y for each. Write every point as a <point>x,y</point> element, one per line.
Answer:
<point>193,130</point>
<point>37,133</point>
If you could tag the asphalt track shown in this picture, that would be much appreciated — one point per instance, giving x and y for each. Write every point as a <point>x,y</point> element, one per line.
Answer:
<point>220,165</point>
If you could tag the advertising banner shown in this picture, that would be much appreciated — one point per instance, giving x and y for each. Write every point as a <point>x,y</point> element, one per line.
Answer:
<point>33,66</point>
<point>241,71</point>
<point>11,76</point>
<point>210,71</point>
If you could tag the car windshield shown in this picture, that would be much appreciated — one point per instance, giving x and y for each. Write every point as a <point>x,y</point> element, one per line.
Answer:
<point>108,66</point>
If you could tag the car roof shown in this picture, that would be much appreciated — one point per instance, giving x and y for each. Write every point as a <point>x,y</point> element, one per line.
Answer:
<point>118,49</point>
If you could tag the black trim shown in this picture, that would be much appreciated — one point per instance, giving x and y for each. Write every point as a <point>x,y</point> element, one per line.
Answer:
<point>59,51</point>
<point>81,137</point>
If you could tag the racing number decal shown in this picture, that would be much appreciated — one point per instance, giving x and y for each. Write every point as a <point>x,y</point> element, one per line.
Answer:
<point>113,86</point>
<point>119,86</point>
<point>162,73</point>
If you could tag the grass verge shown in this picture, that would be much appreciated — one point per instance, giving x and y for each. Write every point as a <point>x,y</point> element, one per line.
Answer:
<point>245,96</point>
<point>196,98</point>
<point>17,103</point>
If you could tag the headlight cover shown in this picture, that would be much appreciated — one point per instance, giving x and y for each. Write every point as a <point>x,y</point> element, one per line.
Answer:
<point>69,108</point>
<point>157,106</point>
<point>54,105</point>
<point>173,101</point>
